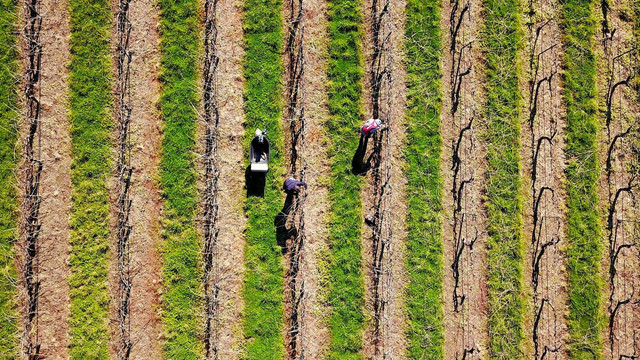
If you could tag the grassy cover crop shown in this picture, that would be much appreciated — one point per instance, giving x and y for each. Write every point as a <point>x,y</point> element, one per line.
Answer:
<point>91,128</point>
<point>346,286</point>
<point>8,193</point>
<point>424,189</point>
<point>264,278</point>
<point>584,249</point>
<point>181,299</point>
<point>502,40</point>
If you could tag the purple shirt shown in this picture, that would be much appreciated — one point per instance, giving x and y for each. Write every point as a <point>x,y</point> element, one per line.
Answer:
<point>290,184</point>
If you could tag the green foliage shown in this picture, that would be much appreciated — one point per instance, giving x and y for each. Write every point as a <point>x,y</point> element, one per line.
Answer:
<point>424,184</point>
<point>91,127</point>
<point>264,278</point>
<point>346,287</point>
<point>584,230</point>
<point>502,42</point>
<point>179,26</point>
<point>8,193</point>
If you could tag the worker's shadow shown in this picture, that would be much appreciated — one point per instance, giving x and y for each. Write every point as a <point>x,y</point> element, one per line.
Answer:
<point>255,182</point>
<point>284,233</point>
<point>358,165</point>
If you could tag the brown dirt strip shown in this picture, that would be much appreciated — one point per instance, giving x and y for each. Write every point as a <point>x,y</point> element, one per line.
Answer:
<point>397,315</point>
<point>290,222</point>
<point>313,331</point>
<point>55,183</point>
<point>146,326</point>
<point>619,111</point>
<point>392,342</point>
<point>27,252</point>
<point>463,171</point>
<point>231,221</point>
<point>543,141</point>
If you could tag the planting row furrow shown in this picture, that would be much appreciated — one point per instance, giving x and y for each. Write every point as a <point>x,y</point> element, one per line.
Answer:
<point>305,141</point>
<point>211,197</point>
<point>584,242</point>
<point>124,173</point>
<point>346,283</point>
<point>227,269</point>
<point>291,220</point>
<point>55,182</point>
<point>378,205</point>
<point>465,232</point>
<point>135,266</point>
<point>264,277</point>
<point>424,262</point>
<point>182,245</point>
<point>542,149</point>
<point>91,129</point>
<point>30,176</point>
<point>384,206</point>
<point>43,273</point>
<point>618,150</point>
<point>8,190</point>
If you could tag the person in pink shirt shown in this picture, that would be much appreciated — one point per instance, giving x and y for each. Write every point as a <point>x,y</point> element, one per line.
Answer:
<point>371,126</point>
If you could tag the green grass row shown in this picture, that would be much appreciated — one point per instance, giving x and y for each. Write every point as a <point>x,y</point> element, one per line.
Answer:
<point>264,277</point>
<point>346,282</point>
<point>8,192</point>
<point>91,129</point>
<point>179,45</point>
<point>502,40</point>
<point>425,333</point>
<point>584,248</point>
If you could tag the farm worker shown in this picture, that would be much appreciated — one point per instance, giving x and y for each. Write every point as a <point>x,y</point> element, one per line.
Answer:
<point>370,220</point>
<point>371,126</point>
<point>260,134</point>
<point>292,185</point>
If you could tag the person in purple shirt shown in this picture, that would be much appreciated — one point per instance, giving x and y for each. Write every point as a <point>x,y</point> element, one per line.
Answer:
<point>292,185</point>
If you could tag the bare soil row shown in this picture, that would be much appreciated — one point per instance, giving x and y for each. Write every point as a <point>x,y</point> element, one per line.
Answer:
<point>55,185</point>
<point>383,195</point>
<point>543,161</point>
<point>306,330</point>
<point>618,146</point>
<point>464,235</point>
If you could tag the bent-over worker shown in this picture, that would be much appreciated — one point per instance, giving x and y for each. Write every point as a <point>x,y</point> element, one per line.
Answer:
<point>292,185</point>
<point>371,126</point>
